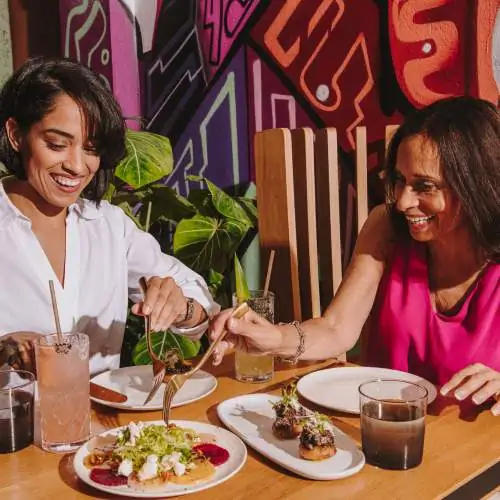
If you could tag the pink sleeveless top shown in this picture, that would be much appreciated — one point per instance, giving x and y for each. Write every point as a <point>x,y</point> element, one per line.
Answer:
<point>409,335</point>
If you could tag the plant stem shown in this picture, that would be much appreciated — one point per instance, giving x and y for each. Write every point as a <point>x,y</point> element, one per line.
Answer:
<point>148,216</point>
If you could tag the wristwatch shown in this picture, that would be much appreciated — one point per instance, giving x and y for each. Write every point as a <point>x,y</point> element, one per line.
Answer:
<point>189,309</point>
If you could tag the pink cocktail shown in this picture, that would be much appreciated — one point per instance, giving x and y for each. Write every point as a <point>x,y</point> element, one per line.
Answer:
<point>63,387</point>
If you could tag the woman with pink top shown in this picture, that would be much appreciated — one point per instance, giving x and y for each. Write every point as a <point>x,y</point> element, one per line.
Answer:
<point>426,267</point>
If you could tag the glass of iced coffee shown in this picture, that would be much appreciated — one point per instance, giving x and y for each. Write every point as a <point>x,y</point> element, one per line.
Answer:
<point>63,387</point>
<point>249,367</point>
<point>393,423</point>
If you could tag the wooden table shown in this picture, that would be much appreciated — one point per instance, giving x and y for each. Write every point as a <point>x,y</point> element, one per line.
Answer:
<point>459,446</point>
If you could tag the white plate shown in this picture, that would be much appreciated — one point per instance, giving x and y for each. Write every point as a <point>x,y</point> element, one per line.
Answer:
<point>136,382</point>
<point>251,417</point>
<point>337,388</point>
<point>233,444</point>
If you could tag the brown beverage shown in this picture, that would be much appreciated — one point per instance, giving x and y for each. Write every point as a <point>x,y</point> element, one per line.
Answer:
<point>393,434</point>
<point>16,420</point>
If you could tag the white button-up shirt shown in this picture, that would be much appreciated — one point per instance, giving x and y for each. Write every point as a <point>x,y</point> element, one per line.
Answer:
<point>106,254</point>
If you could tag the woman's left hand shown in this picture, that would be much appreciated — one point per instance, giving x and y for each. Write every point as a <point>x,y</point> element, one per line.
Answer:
<point>164,301</point>
<point>478,381</point>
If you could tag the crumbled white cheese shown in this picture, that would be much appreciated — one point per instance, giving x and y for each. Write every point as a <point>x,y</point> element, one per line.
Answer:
<point>173,462</point>
<point>149,470</point>
<point>135,430</point>
<point>126,468</point>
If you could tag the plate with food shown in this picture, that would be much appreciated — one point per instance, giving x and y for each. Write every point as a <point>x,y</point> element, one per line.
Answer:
<point>151,460</point>
<point>304,442</point>
<point>135,382</point>
<point>337,388</point>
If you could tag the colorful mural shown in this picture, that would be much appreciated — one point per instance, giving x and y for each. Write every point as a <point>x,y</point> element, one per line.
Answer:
<point>209,73</point>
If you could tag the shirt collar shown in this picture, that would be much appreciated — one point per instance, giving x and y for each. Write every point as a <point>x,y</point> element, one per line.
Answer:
<point>84,209</point>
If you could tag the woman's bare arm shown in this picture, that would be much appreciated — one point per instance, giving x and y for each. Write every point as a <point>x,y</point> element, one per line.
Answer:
<point>339,328</point>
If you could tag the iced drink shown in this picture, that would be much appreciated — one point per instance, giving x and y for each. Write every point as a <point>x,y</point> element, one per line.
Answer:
<point>63,386</point>
<point>253,368</point>
<point>393,423</point>
<point>16,410</point>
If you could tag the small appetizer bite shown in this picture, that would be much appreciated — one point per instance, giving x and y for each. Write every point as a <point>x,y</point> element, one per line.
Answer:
<point>317,439</point>
<point>289,414</point>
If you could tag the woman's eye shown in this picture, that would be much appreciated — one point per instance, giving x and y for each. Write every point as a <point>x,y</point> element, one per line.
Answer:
<point>56,147</point>
<point>425,187</point>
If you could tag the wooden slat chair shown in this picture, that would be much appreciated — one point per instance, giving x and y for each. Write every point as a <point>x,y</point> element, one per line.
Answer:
<point>298,202</point>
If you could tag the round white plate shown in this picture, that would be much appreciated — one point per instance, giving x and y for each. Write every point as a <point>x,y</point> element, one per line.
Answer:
<point>252,416</point>
<point>233,444</point>
<point>136,382</point>
<point>337,388</point>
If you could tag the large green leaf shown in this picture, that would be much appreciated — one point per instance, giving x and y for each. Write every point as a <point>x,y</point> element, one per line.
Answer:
<point>214,281</point>
<point>167,205</point>
<point>223,203</point>
<point>242,291</point>
<point>250,208</point>
<point>149,158</point>
<point>204,242</point>
<point>162,342</point>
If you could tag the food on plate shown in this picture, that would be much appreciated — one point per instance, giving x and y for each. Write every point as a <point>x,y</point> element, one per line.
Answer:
<point>317,439</point>
<point>144,456</point>
<point>290,414</point>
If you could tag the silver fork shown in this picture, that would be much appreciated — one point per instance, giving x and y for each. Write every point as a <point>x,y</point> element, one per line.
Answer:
<point>159,366</point>
<point>175,381</point>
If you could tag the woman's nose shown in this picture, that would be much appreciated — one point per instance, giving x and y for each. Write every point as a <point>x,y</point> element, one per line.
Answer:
<point>76,162</point>
<point>406,198</point>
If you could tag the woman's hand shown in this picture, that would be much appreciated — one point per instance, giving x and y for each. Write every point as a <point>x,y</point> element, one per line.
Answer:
<point>164,301</point>
<point>252,334</point>
<point>17,350</point>
<point>477,380</point>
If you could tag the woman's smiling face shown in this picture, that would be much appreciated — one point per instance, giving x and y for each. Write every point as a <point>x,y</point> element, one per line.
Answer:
<point>58,160</point>
<point>431,210</point>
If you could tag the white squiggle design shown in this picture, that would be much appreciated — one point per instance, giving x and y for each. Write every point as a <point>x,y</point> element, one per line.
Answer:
<point>85,28</point>
<point>228,92</point>
<point>292,110</point>
<point>257,94</point>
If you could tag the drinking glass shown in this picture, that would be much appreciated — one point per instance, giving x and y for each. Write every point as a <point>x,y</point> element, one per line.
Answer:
<point>16,409</point>
<point>393,423</point>
<point>63,387</point>
<point>253,367</point>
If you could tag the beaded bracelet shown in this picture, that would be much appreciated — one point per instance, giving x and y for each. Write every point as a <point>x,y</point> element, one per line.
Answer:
<point>300,349</point>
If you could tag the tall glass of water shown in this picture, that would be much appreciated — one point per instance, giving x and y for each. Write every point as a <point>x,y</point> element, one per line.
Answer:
<point>63,386</point>
<point>249,367</point>
<point>393,423</point>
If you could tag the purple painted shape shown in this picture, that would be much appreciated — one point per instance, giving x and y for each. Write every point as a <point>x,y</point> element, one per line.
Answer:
<point>85,34</point>
<point>270,104</point>
<point>215,111</point>
<point>220,22</point>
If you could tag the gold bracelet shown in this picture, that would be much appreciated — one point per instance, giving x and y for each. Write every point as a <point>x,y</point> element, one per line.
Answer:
<point>301,347</point>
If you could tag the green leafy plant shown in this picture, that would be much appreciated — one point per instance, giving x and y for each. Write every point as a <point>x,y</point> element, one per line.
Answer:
<point>204,230</point>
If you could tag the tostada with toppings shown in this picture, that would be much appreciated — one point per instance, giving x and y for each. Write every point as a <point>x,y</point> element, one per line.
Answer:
<point>148,456</point>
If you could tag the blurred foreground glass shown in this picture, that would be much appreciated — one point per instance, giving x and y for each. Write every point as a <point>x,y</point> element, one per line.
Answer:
<point>249,367</point>
<point>393,423</point>
<point>63,387</point>
<point>16,410</point>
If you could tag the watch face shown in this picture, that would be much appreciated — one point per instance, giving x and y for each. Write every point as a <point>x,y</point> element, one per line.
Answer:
<point>189,309</point>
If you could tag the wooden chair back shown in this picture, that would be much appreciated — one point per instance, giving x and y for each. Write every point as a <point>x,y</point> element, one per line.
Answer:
<point>298,202</point>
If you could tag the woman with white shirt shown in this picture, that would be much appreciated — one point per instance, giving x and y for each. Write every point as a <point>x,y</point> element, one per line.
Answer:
<point>61,136</point>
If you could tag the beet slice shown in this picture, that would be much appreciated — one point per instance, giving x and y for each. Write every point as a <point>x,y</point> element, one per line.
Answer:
<point>107,477</point>
<point>216,454</point>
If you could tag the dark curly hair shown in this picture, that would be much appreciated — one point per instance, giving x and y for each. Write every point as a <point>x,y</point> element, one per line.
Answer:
<point>29,95</point>
<point>466,133</point>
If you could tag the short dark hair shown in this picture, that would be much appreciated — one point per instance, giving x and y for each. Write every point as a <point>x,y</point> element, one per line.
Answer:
<point>29,94</point>
<point>466,133</point>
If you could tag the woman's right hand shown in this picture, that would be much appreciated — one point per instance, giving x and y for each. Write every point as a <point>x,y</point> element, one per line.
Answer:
<point>17,350</point>
<point>252,334</point>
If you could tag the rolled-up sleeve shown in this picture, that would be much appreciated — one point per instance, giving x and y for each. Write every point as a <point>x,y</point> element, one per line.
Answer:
<point>145,258</point>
